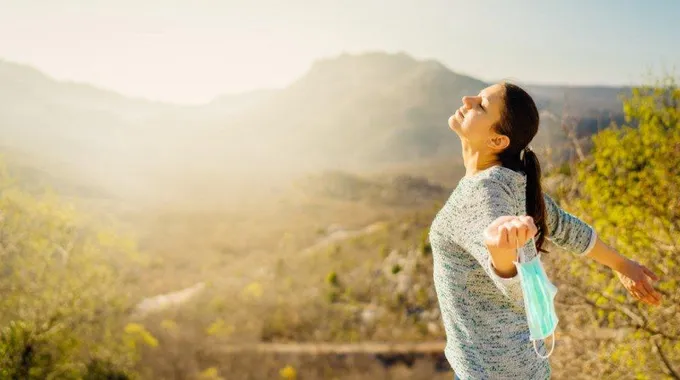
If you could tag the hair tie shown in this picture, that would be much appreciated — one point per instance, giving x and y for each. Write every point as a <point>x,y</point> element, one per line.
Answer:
<point>522,154</point>
<point>524,151</point>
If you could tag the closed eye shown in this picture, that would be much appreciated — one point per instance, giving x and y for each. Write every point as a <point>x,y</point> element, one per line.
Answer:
<point>481,100</point>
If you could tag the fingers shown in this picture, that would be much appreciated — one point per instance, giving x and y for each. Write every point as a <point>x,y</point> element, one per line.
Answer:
<point>636,294</point>
<point>636,280</point>
<point>640,290</point>
<point>512,231</point>
<point>645,288</point>
<point>520,232</point>
<point>648,292</point>
<point>531,229</point>
<point>529,221</point>
<point>640,297</point>
<point>492,232</point>
<point>503,235</point>
<point>650,300</point>
<point>655,298</point>
<point>645,294</point>
<point>512,234</point>
<point>649,273</point>
<point>500,220</point>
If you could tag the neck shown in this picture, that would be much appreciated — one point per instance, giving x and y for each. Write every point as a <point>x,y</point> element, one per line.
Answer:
<point>475,160</point>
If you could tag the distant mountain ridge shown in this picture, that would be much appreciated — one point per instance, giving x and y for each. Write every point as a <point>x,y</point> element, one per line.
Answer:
<point>347,111</point>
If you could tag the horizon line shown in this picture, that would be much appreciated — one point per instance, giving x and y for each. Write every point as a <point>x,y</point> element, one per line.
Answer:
<point>144,98</point>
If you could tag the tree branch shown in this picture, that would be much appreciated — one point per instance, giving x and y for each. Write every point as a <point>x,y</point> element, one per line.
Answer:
<point>669,233</point>
<point>665,360</point>
<point>569,126</point>
<point>640,322</point>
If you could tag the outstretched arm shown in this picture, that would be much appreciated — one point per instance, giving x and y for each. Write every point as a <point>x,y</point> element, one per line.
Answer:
<point>566,230</point>
<point>572,234</point>
<point>633,275</point>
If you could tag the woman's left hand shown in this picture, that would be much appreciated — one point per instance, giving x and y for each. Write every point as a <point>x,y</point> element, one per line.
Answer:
<point>509,232</point>
<point>635,278</point>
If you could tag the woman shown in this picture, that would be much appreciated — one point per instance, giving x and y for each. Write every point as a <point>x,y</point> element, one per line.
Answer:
<point>498,206</point>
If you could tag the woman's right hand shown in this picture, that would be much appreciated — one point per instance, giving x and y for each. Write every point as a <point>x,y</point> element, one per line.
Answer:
<point>509,232</point>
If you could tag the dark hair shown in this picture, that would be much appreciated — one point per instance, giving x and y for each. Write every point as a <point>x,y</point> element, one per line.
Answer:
<point>519,121</point>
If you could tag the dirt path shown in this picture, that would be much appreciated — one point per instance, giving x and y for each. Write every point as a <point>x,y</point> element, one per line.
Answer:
<point>341,235</point>
<point>339,348</point>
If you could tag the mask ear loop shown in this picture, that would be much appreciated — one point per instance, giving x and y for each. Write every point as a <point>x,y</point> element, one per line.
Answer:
<point>520,259</point>
<point>551,348</point>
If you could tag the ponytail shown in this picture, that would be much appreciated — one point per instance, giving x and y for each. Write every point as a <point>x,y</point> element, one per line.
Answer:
<point>519,121</point>
<point>535,201</point>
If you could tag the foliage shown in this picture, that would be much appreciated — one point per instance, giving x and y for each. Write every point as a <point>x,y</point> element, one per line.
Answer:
<point>61,305</point>
<point>332,278</point>
<point>631,191</point>
<point>425,247</point>
<point>210,373</point>
<point>288,373</point>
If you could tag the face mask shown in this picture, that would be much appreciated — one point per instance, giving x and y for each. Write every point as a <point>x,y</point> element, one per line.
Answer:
<point>539,295</point>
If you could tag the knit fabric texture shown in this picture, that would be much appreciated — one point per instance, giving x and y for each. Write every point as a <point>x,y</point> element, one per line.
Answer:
<point>483,313</point>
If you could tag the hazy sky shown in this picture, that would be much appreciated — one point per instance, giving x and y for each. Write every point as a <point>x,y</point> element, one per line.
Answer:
<point>190,51</point>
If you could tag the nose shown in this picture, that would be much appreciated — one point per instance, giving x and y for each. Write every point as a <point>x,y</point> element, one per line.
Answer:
<point>469,101</point>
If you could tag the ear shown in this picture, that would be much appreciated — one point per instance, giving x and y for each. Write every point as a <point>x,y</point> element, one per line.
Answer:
<point>498,142</point>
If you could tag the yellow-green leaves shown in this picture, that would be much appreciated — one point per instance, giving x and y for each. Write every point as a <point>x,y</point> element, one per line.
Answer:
<point>630,189</point>
<point>136,333</point>
<point>61,290</point>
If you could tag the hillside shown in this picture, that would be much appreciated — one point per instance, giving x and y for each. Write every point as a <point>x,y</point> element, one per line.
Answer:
<point>365,109</point>
<point>352,112</point>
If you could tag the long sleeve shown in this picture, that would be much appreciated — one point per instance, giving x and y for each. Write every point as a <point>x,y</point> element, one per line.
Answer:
<point>495,199</point>
<point>568,231</point>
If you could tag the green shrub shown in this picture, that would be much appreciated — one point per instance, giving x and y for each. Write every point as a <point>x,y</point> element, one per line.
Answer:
<point>332,279</point>
<point>62,304</point>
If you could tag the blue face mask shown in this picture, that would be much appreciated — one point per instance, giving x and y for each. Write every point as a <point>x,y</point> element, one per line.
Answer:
<point>539,296</point>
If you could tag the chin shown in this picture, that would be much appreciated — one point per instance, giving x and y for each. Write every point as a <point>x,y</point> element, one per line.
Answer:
<point>453,123</point>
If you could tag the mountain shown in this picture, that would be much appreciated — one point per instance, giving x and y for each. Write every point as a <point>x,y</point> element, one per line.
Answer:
<point>366,108</point>
<point>581,100</point>
<point>69,127</point>
<point>346,112</point>
<point>239,102</point>
<point>377,109</point>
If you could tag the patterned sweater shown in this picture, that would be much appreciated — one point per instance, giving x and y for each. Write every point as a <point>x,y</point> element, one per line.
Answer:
<point>483,314</point>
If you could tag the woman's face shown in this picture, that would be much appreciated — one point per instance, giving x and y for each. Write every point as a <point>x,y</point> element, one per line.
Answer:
<point>475,119</point>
